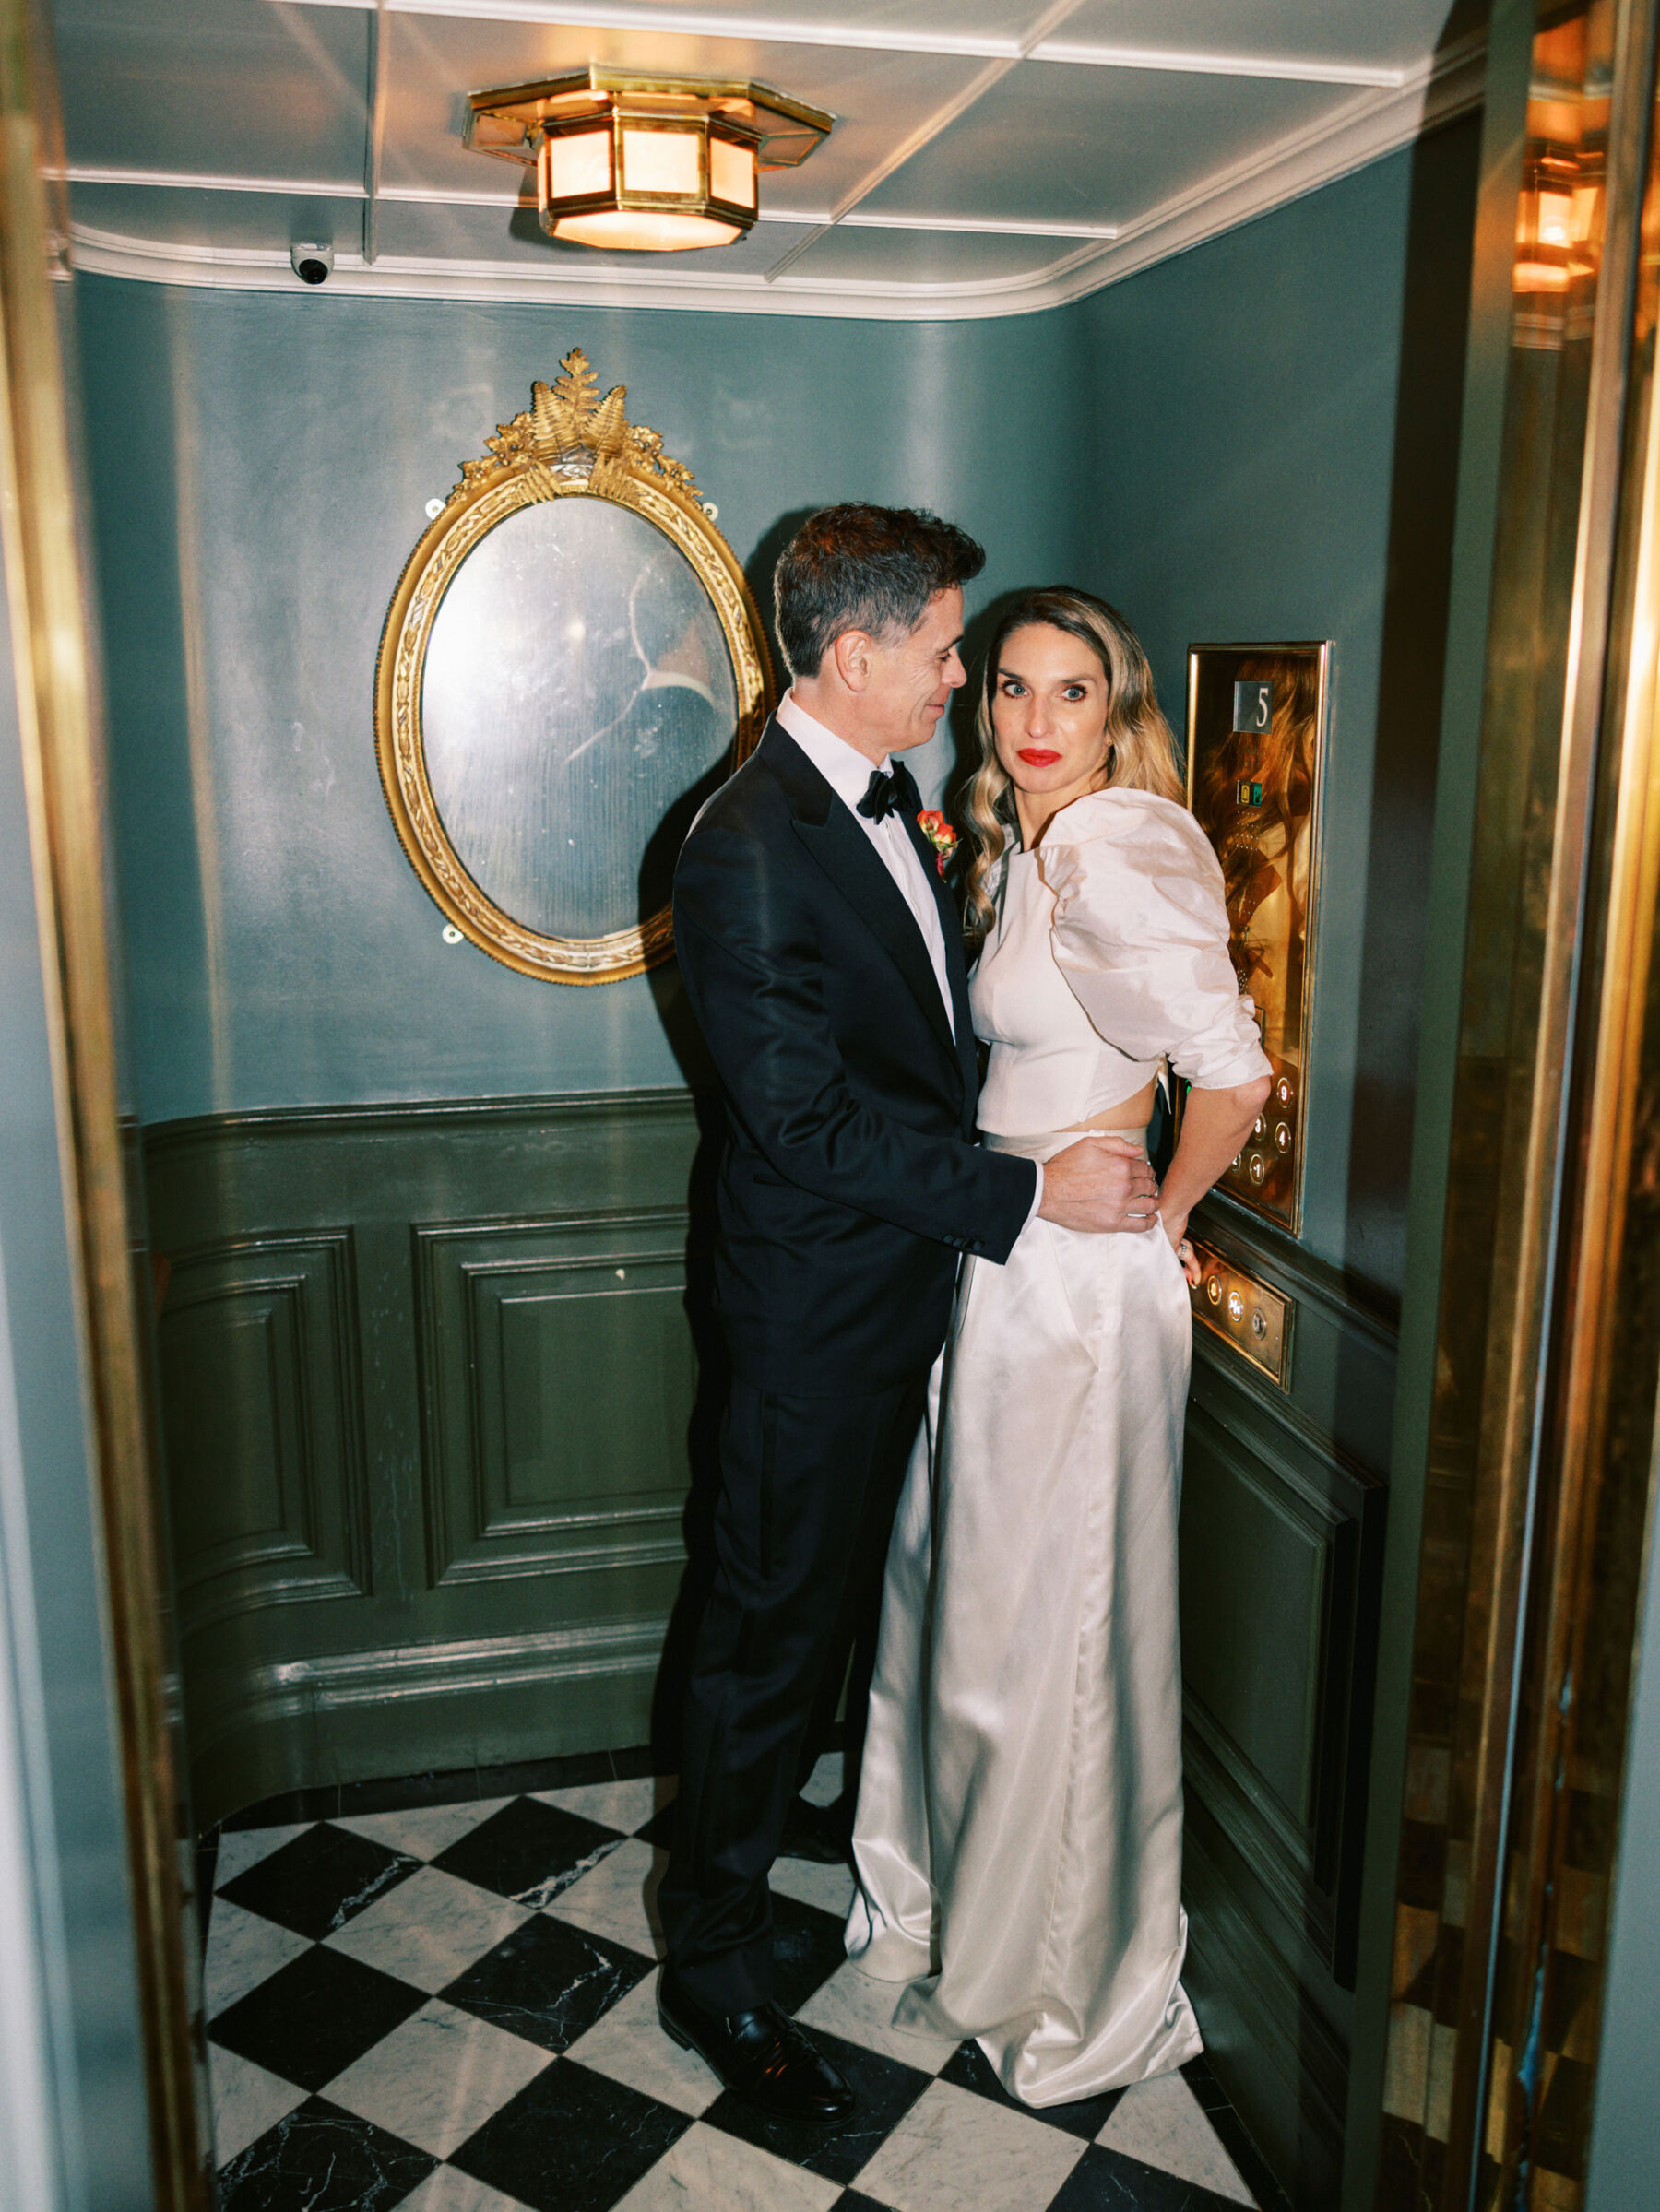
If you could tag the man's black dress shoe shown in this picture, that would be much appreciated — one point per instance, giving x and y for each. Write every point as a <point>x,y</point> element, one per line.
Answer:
<point>761,2055</point>
<point>821,1833</point>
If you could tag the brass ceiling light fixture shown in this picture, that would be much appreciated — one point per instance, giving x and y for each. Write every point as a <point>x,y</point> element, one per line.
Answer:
<point>1556,218</point>
<point>643,162</point>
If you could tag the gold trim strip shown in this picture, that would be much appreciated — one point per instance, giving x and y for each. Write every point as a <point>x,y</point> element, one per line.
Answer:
<point>61,767</point>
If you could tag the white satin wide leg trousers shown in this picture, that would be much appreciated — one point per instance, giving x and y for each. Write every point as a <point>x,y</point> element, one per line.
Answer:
<point>1018,1838</point>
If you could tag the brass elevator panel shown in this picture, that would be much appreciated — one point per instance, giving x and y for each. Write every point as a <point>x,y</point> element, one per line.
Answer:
<point>1256,738</point>
<point>1245,1312</point>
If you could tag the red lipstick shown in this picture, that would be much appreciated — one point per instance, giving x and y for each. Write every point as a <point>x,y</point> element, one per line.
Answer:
<point>1035,756</point>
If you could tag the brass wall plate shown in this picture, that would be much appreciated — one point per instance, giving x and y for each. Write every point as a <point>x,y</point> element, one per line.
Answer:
<point>1255,748</point>
<point>1243,1311</point>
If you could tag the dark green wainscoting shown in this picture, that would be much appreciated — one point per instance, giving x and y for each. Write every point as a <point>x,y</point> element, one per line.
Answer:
<point>428,1375</point>
<point>429,1378</point>
<point>1282,1535</point>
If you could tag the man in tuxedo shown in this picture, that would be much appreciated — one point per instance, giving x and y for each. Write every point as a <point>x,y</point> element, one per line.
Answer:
<point>823,956</point>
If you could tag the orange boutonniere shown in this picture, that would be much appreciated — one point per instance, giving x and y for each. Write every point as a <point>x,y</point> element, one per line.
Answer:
<point>940,835</point>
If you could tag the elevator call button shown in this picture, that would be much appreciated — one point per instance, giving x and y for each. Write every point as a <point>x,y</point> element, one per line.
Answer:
<point>1244,1311</point>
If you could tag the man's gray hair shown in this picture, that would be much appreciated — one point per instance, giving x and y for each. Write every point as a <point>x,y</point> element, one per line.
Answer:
<point>857,567</point>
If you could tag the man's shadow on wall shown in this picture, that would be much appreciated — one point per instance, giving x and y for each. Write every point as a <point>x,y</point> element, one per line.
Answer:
<point>697,1072</point>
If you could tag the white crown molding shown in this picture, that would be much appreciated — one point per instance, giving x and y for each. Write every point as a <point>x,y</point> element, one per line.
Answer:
<point>719,23</point>
<point>1364,130</point>
<point>1360,133</point>
<point>422,195</point>
<point>1178,61</point>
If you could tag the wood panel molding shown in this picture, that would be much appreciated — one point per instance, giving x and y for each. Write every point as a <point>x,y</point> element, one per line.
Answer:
<point>1284,1778</point>
<point>556,1366</point>
<point>262,1408</point>
<point>1262,2027</point>
<point>364,1315</point>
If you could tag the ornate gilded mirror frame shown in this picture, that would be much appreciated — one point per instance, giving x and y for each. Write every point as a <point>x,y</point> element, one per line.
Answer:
<point>569,444</point>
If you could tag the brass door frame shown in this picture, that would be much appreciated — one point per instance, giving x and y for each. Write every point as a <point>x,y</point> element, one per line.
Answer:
<point>1536,1459</point>
<point>58,713</point>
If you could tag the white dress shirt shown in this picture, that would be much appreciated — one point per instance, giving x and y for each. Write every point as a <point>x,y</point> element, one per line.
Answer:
<point>847,772</point>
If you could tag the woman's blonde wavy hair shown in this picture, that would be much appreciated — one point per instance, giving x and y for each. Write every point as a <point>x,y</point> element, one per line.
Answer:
<point>1141,750</point>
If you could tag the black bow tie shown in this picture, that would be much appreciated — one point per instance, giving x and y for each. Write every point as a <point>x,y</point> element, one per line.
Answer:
<point>885,794</point>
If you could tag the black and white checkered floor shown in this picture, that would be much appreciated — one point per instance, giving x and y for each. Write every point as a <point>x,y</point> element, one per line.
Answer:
<point>451,2007</point>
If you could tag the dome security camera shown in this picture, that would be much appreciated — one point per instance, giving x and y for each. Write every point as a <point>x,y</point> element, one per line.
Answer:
<point>312,263</point>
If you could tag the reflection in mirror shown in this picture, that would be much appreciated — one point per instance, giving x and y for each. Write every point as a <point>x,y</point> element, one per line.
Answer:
<point>578,687</point>
<point>570,664</point>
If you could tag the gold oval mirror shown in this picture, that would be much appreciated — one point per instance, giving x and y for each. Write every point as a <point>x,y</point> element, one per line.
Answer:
<point>571,663</point>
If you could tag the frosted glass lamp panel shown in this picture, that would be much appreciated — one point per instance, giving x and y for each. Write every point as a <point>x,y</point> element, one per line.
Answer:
<point>659,160</point>
<point>731,172</point>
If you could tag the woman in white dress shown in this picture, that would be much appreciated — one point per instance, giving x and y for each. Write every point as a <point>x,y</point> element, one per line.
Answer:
<point>1018,1836</point>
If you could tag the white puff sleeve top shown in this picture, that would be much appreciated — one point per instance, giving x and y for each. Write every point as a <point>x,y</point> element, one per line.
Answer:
<point>1109,956</point>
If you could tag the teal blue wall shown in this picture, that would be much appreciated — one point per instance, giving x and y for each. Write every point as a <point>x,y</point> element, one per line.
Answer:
<point>1274,456</point>
<point>1253,440</point>
<point>261,464</point>
<point>77,2135</point>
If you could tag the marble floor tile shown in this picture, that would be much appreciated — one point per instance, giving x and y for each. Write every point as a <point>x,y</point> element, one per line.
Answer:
<point>242,1951</point>
<point>438,2078</point>
<point>828,1887</point>
<point>246,2100</point>
<point>1160,2123</point>
<point>447,2189</point>
<point>571,2142</point>
<point>451,2006</point>
<point>860,2010</point>
<point>422,1831</point>
<point>885,2090</point>
<point>617,1898</point>
<point>430,1929</point>
<point>624,1806</point>
<point>807,1949</point>
<point>548,1981</point>
<point>1085,2118</point>
<point>241,1848</point>
<point>321,1880</point>
<point>969,2068</point>
<point>529,1851</point>
<point>957,2152</point>
<point>824,1784</point>
<point>325,2160</point>
<point>1104,2180</point>
<point>315,2016</point>
<point>706,2172</point>
<point>627,2044</point>
<point>1230,2132</point>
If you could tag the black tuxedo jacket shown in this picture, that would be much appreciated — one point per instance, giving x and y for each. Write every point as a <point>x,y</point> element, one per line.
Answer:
<point>852,1180</point>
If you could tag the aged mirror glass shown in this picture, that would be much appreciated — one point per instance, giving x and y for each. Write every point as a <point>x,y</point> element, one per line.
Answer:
<point>570,664</point>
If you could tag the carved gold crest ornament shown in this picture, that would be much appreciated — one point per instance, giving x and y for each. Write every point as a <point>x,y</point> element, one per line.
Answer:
<point>572,659</point>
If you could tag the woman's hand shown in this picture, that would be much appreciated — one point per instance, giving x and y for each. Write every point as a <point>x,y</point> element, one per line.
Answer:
<point>1175,1227</point>
<point>1214,1126</point>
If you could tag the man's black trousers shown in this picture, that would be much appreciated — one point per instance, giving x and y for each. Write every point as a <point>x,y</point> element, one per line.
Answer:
<point>808,1488</point>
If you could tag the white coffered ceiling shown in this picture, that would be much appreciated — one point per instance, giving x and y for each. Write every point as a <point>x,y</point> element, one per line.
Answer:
<point>989,156</point>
